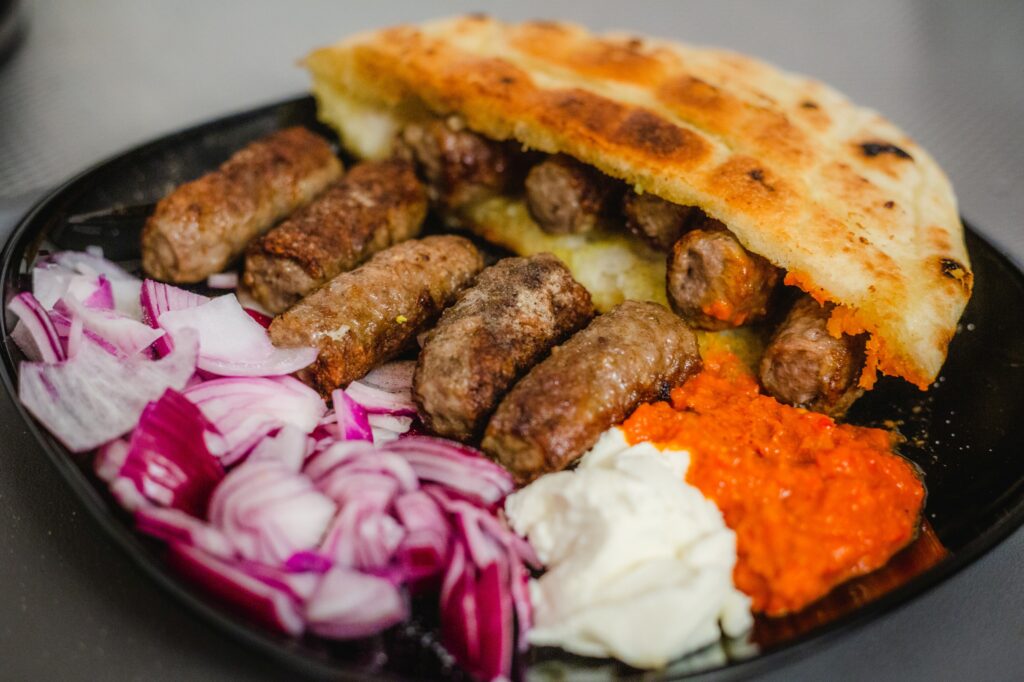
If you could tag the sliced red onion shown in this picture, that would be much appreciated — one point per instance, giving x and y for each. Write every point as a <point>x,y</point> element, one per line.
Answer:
<point>109,460</point>
<point>53,277</point>
<point>128,336</point>
<point>51,281</point>
<point>71,332</point>
<point>270,512</point>
<point>223,280</point>
<point>352,457</point>
<point>349,604</point>
<point>173,525</point>
<point>351,417</point>
<point>322,461</point>
<point>288,446</point>
<point>263,319</point>
<point>90,264</point>
<point>378,401</point>
<point>460,630</point>
<point>300,585</point>
<point>260,601</point>
<point>246,409</point>
<point>45,343</point>
<point>521,602</point>
<point>233,344</point>
<point>307,561</point>
<point>157,298</point>
<point>454,465</point>
<point>167,457</point>
<point>362,536</point>
<point>424,550</point>
<point>388,427</point>
<point>393,377</point>
<point>93,292</point>
<point>94,397</point>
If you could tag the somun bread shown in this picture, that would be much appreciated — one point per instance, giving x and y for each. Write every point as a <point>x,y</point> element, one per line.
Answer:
<point>850,207</point>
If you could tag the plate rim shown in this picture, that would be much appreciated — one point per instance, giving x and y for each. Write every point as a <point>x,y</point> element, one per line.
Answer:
<point>131,543</point>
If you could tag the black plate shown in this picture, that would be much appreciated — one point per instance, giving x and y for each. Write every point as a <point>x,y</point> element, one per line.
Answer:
<point>965,433</point>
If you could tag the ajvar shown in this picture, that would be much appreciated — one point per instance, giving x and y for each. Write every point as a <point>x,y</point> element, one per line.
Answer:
<point>813,503</point>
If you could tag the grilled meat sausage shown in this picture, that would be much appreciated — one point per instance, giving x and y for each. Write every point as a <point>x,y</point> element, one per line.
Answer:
<point>377,204</point>
<point>368,315</point>
<point>658,222</point>
<point>203,225</point>
<point>500,327</point>
<point>714,283</point>
<point>458,165</point>
<point>565,196</point>
<point>632,354</point>
<point>804,365</point>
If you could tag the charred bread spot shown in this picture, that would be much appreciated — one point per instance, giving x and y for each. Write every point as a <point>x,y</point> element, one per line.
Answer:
<point>889,204</point>
<point>649,132</point>
<point>954,270</point>
<point>809,104</point>
<point>757,175</point>
<point>873,149</point>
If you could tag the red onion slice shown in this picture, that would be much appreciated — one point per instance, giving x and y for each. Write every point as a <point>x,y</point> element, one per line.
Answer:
<point>175,526</point>
<point>94,397</point>
<point>260,601</point>
<point>270,512</point>
<point>157,298</point>
<point>45,343</point>
<point>353,423</point>
<point>167,457</point>
<point>126,335</point>
<point>231,343</point>
<point>378,401</point>
<point>457,466</point>
<point>393,377</point>
<point>349,604</point>
<point>246,409</point>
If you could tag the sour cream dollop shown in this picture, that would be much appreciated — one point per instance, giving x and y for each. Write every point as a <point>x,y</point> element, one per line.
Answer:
<point>639,563</point>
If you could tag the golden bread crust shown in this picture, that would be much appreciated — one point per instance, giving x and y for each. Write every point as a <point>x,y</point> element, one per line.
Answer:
<point>853,209</point>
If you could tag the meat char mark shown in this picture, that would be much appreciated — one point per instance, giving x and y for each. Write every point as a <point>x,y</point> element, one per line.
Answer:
<point>804,365</point>
<point>497,329</point>
<point>714,283</point>
<point>632,354</point>
<point>203,225</point>
<point>366,316</point>
<point>377,204</point>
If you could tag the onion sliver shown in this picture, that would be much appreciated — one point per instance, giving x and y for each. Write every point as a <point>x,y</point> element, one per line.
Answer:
<point>157,298</point>
<point>349,604</point>
<point>126,335</point>
<point>262,602</point>
<point>269,511</point>
<point>379,401</point>
<point>95,397</point>
<point>231,343</point>
<point>353,423</point>
<point>174,525</point>
<point>246,409</point>
<point>457,466</point>
<point>167,457</point>
<point>46,345</point>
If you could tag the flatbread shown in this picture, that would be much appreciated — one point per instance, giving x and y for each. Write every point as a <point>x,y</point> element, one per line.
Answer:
<point>852,209</point>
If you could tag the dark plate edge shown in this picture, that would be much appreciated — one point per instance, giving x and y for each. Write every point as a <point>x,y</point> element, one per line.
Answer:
<point>127,539</point>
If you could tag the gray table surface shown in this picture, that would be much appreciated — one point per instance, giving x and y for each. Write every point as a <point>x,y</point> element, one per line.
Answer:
<point>92,78</point>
